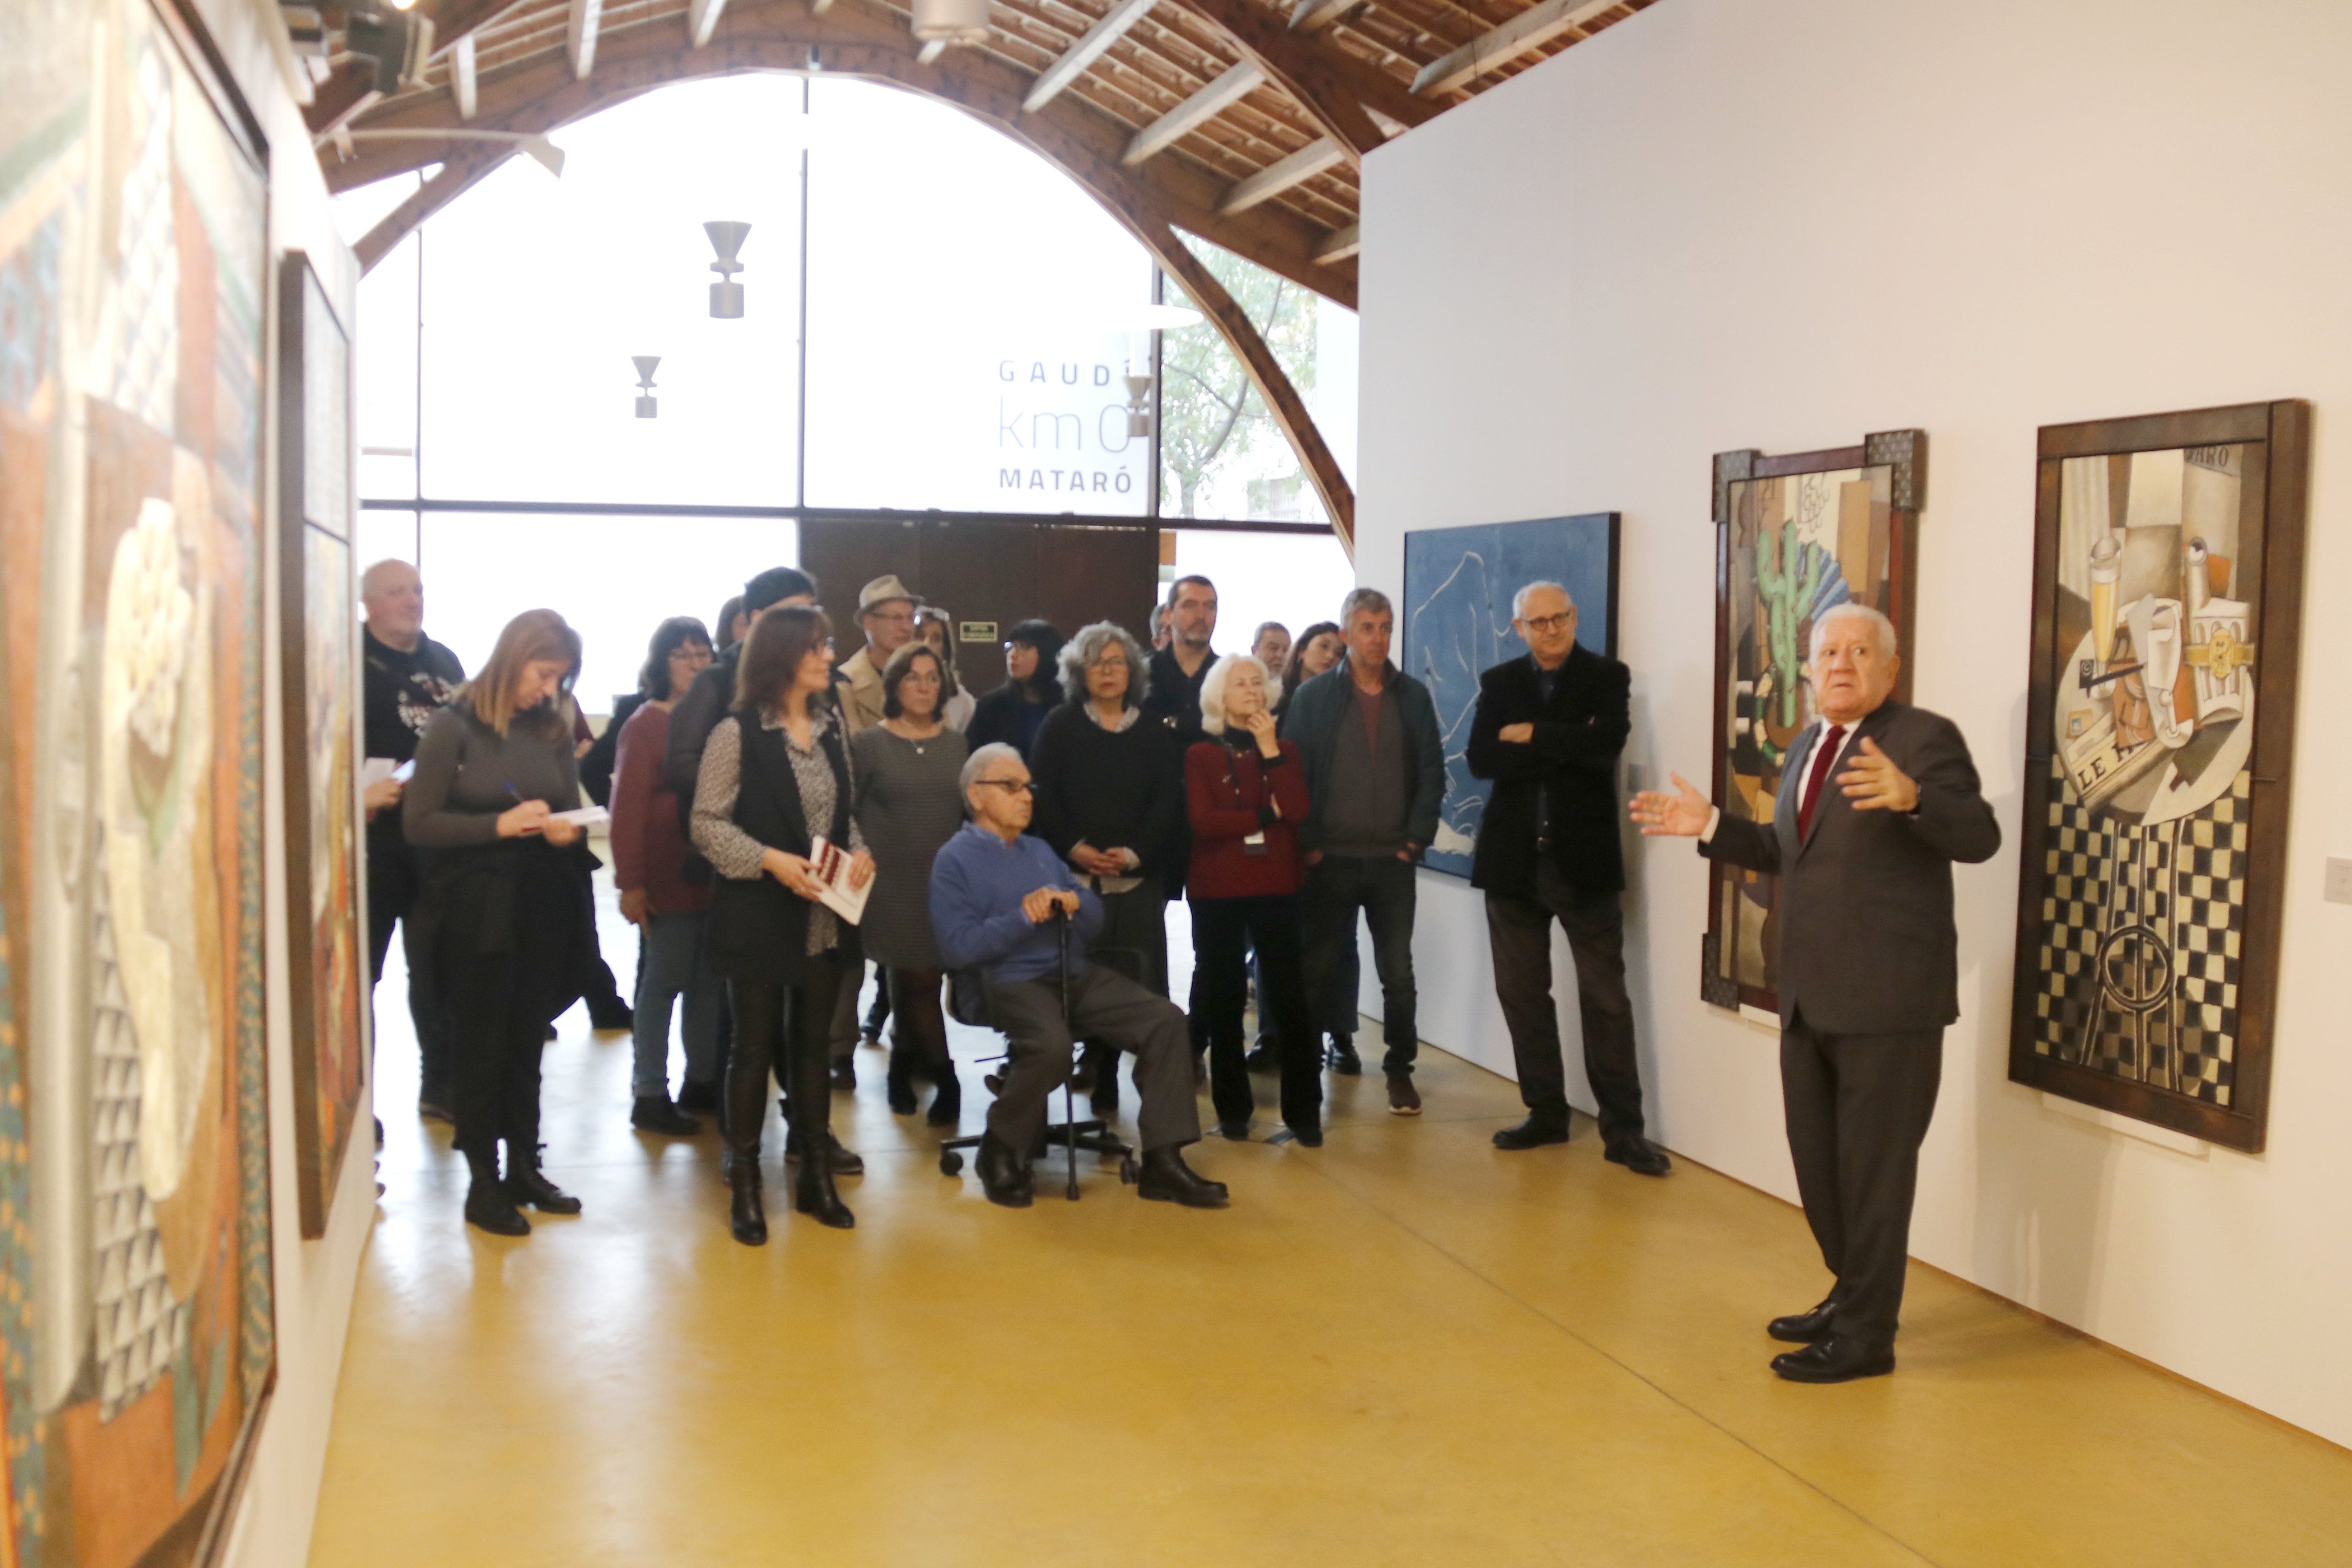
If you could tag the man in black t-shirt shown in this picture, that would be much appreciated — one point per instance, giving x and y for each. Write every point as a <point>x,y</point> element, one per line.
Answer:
<point>408,678</point>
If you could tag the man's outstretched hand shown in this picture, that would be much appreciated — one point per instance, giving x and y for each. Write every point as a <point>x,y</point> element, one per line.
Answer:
<point>1039,904</point>
<point>1684,815</point>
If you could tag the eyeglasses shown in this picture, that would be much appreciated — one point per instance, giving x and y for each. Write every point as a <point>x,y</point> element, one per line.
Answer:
<point>1551,622</point>
<point>1010,786</point>
<point>690,655</point>
<point>1115,663</point>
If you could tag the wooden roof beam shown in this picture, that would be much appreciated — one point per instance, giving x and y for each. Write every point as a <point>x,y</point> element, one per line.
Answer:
<point>702,19</point>
<point>1336,88</point>
<point>464,84</point>
<point>1123,15</point>
<point>580,31</point>
<point>461,174</point>
<point>1276,178</point>
<point>455,21</point>
<point>342,97</point>
<point>1343,243</point>
<point>1522,35</point>
<point>1314,15</point>
<point>1194,112</point>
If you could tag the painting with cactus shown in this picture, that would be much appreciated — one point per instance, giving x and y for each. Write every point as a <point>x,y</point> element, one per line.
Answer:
<point>1795,536</point>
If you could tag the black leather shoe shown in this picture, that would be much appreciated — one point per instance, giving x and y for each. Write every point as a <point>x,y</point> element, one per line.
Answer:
<point>615,1020</point>
<point>1533,1133</point>
<point>528,1186</point>
<point>1004,1174</point>
<point>844,1076</point>
<point>1342,1057</point>
<point>697,1094</point>
<point>845,1162</point>
<point>1264,1059</point>
<point>813,1195</point>
<point>1309,1136</point>
<point>947,1105</point>
<point>1640,1156</point>
<point>1166,1179</point>
<point>747,1216</point>
<point>1804,1328</point>
<point>487,1205</point>
<point>655,1113</point>
<point>1834,1360</point>
<point>898,1086</point>
<point>1233,1132</point>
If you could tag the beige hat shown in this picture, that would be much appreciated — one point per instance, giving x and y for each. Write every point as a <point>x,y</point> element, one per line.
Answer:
<point>882,589</point>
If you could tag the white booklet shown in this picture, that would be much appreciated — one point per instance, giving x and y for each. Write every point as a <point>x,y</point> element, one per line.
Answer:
<point>829,863</point>
<point>584,816</point>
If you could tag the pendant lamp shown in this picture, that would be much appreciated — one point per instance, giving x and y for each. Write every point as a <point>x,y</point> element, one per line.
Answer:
<point>646,409</point>
<point>951,21</point>
<point>727,295</point>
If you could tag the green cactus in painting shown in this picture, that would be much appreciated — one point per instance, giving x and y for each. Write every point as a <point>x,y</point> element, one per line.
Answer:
<point>1786,595</point>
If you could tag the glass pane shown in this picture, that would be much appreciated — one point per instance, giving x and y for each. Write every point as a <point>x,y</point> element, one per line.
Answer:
<point>972,314</point>
<point>384,347</point>
<point>614,578</point>
<point>386,536</point>
<point>539,291</point>
<point>1294,578</point>
<point>1222,454</point>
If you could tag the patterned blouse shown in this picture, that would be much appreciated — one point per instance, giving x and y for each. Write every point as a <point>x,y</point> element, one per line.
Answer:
<point>734,853</point>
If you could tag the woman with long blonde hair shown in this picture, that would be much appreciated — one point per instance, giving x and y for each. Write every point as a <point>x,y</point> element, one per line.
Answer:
<point>493,770</point>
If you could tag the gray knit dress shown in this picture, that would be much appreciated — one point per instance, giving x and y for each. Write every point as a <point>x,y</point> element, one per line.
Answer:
<point>907,806</point>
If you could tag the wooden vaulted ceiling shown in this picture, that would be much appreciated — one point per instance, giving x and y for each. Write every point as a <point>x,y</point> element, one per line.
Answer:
<point>1266,107</point>
<point>1242,123</point>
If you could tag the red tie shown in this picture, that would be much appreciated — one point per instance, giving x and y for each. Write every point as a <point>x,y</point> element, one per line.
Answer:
<point>1824,753</point>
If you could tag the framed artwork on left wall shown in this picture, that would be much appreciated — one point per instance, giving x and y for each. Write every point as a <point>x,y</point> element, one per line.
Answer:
<point>1795,536</point>
<point>318,631</point>
<point>138,1334</point>
<point>2167,608</point>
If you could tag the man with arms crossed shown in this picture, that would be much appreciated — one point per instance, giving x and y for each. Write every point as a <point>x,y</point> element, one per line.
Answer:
<point>1548,730</point>
<point>1375,778</point>
<point>1877,799</point>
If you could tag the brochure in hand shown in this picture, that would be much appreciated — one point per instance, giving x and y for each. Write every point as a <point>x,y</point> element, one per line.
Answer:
<point>829,863</point>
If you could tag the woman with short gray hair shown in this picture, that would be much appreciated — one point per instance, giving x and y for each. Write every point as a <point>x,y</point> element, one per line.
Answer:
<point>1109,795</point>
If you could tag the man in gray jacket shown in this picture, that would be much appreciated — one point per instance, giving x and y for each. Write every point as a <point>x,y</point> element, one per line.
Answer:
<point>1868,966</point>
<point>1375,777</point>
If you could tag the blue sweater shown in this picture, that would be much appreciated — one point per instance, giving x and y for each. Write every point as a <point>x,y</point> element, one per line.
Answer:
<point>977,884</point>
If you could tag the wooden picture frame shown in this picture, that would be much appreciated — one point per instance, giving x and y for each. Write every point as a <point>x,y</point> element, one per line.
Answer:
<point>2167,599</point>
<point>320,675</point>
<point>1853,511</point>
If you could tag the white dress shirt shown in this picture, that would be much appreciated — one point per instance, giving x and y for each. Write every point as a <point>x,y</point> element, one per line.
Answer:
<point>1715,816</point>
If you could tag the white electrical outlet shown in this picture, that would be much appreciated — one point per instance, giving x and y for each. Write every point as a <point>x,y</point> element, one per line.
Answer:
<point>2338,887</point>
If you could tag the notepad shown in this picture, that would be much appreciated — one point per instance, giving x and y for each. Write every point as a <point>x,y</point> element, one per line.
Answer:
<point>585,816</point>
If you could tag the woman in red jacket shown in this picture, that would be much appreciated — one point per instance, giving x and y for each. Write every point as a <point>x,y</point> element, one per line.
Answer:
<point>1247,794</point>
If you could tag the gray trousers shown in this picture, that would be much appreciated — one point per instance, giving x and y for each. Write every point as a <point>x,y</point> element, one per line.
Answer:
<point>1104,1006</point>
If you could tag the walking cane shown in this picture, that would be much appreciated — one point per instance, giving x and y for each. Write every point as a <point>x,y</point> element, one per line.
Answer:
<point>1069,1097</point>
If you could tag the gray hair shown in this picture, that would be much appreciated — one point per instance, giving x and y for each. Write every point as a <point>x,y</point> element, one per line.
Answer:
<point>1849,609</point>
<point>1370,599</point>
<point>1264,627</point>
<point>978,763</point>
<point>1086,645</point>
<point>1519,600</point>
<point>1212,688</point>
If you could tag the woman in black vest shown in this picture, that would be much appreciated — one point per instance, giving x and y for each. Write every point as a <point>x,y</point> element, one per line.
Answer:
<point>775,777</point>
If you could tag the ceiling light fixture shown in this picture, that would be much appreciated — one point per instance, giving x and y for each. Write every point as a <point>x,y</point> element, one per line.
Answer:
<point>727,295</point>
<point>646,407</point>
<point>951,21</point>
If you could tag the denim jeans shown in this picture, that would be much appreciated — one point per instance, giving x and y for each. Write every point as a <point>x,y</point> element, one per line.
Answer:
<point>675,966</point>
<point>1384,888</point>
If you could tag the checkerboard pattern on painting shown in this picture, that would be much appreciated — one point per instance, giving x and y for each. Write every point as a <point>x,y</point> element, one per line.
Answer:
<point>2187,881</point>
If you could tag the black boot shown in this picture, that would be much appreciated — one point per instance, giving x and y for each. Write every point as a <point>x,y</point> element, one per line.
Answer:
<point>813,1193</point>
<point>947,1105</point>
<point>811,1114</point>
<point>745,1215</point>
<point>900,1083</point>
<point>845,1162</point>
<point>526,1185</point>
<point>487,1202</point>
<point>1166,1179</point>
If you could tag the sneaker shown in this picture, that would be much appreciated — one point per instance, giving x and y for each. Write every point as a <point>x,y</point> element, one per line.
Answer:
<point>1403,1098</point>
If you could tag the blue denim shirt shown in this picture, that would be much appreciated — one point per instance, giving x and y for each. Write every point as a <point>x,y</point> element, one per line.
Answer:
<point>977,884</point>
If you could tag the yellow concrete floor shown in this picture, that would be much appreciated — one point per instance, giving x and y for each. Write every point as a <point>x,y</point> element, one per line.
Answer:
<point>1403,1348</point>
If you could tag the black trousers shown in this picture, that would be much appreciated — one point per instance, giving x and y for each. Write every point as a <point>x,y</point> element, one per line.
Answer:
<point>1519,934</point>
<point>1383,888</point>
<point>920,1037</point>
<point>393,885</point>
<point>1858,1107</point>
<point>499,1034</point>
<point>785,1029</point>
<point>1104,1006</point>
<point>1223,931</point>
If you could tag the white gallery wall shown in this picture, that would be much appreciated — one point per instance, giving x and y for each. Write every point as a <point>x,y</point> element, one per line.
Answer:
<point>1730,223</point>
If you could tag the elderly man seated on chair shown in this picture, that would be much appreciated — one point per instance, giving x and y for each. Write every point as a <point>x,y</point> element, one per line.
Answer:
<point>995,894</point>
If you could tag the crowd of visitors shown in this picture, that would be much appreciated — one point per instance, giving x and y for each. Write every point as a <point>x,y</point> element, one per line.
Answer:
<point>1026,841</point>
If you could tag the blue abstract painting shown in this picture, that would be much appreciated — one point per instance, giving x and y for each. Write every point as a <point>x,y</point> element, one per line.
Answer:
<point>1458,583</point>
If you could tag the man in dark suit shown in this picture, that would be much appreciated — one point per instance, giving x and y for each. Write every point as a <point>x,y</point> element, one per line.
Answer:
<point>1548,730</point>
<point>1868,966</point>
